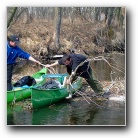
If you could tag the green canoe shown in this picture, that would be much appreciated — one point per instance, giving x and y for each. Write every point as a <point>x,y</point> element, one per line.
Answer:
<point>23,93</point>
<point>46,97</point>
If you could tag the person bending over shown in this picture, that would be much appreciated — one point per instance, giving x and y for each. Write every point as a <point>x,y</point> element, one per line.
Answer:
<point>72,63</point>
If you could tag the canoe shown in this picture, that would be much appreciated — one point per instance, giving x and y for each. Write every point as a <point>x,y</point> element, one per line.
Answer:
<point>42,98</point>
<point>21,93</point>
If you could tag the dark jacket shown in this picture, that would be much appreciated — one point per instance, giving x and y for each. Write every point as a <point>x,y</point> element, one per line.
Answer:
<point>76,59</point>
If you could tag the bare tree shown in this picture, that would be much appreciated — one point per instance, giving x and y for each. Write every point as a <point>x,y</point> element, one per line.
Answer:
<point>14,15</point>
<point>11,15</point>
<point>58,18</point>
<point>96,14</point>
<point>110,16</point>
<point>120,15</point>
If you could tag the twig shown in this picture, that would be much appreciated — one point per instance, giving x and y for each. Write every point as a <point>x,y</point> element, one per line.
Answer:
<point>111,65</point>
<point>84,96</point>
<point>96,59</point>
<point>88,98</point>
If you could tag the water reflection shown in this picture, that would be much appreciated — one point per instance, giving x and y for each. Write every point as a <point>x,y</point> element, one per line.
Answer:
<point>72,113</point>
<point>112,114</point>
<point>54,115</point>
<point>16,115</point>
<point>103,70</point>
<point>76,112</point>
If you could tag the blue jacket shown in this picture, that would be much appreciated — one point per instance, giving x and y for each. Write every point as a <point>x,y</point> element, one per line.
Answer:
<point>14,52</point>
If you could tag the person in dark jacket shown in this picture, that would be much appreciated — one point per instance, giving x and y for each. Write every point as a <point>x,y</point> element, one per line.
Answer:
<point>13,52</point>
<point>72,63</point>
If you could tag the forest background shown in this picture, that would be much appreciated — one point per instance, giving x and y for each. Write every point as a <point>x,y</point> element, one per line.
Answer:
<point>48,31</point>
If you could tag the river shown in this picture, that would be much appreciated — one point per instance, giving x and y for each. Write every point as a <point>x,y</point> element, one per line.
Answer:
<point>76,112</point>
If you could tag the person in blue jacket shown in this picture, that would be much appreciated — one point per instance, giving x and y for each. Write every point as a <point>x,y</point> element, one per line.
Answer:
<point>13,52</point>
<point>72,62</point>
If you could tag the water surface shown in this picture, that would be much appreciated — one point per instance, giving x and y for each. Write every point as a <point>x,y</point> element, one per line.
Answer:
<point>76,111</point>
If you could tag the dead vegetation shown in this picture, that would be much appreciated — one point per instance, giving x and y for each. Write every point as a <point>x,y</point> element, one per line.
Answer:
<point>87,38</point>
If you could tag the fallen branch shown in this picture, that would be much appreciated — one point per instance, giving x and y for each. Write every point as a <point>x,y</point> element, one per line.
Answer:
<point>93,59</point>
<point>85,96</point>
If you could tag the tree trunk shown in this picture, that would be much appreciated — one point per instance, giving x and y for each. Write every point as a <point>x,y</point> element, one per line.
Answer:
<point>110,16</point>
<point>58,18</point>
<point>96,14</point>
<point>11,16</point>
